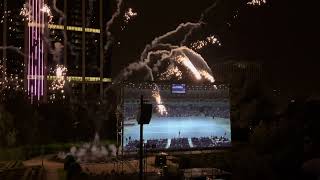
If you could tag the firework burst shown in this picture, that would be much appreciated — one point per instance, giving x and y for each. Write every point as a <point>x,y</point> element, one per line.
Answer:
<point>26,13</point>
<point>257,2</point>
<point>60,78</point>
<point>46,9</point>
<point>129,14</point>
<point>173,71</point>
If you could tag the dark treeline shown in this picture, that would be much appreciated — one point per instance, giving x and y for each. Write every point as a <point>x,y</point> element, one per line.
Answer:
<point>23,123</point>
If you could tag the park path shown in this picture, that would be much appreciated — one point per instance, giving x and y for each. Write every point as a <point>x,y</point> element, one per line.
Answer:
<point>129,166</point>
<point>51,167</point>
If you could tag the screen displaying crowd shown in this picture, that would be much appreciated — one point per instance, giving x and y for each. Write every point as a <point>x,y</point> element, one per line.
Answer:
<point>189,123</point>
<point>183,110</point>
<point>179,144</point>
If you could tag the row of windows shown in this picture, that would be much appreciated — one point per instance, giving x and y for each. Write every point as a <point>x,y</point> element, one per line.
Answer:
<point>69,28</point>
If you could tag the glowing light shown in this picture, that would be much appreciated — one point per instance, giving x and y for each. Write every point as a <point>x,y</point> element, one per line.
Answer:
<point>187,63</point>
<point>69,28</point>
<point>211,40</point>
<point>26,12</point>
<point>257,2</point>
<point>207,76</point>
<point>47,10</point>
<point>59,81</point>
<point>129,15</point>
<point>173,71</point>
<point>160,107</point>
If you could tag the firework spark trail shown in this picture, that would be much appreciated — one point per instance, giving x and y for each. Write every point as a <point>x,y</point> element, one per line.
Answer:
<point>179,55</point>
<point>45,9</point>
<point>157,40</point>
<point>187,63</point>
<point>201,21</point>
<point>129,14</point>
<point>9,81</point>
<point>110,22</point>
<point>173,71</point>
<point>59,82</point>
<point>207,76</point>
<point>211,40</point>
<point>257,2</point>
<point>61,19</point>
<point>156,95</point>
<point>26,13</point>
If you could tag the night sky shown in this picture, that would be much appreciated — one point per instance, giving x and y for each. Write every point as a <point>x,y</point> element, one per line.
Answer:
<point>274,34</point>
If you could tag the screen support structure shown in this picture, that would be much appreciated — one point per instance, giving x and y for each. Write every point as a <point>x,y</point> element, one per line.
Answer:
<point>141,146</point>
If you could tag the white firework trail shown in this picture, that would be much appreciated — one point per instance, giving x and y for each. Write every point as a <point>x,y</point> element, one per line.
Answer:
<point>110,22</point>
<point>178,55</point>
<point>211,40</point>
<point>160,107</point>
<point>46,9</point>
<point>61,13</point>
<point>188,64</point>
<point>201,21</point>
<point>158,40</point>
<point>257,2</point>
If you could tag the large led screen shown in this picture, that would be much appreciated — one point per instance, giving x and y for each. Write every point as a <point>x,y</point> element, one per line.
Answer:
<point>196,119</point>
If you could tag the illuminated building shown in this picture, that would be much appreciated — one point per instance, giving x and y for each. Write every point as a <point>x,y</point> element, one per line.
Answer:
<point>80,34</point>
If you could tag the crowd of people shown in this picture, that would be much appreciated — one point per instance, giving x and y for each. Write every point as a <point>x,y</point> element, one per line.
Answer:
<point>197,110</point>
<point>184,111</point>
<point>205,142</point>
<point>179,143</point>
<point>157,143</point>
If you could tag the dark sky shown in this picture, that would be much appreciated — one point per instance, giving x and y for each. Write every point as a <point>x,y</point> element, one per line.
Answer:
<point>276,34</point>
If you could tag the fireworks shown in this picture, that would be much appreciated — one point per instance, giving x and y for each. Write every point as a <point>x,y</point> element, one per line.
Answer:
<point>60,79</point>
<point>9,81</point>
<point>207,76</point>
<point>45,9</point>
<point>129,15</point>
<point>173,71</point>
<point>26,13</point>
<point>110,37</point>
<point>188,64</point>
<point>160,107</point>
<point>257,2</point>
<point>211,40</point>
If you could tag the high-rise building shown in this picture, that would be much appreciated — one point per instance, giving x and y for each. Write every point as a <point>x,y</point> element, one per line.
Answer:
<point>67,34</point>
<point>81,34</point>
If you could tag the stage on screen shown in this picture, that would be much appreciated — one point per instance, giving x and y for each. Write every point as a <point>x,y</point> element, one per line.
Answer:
<point>185,117</point>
